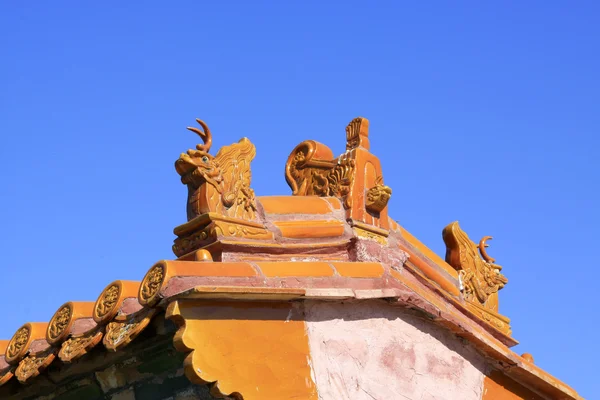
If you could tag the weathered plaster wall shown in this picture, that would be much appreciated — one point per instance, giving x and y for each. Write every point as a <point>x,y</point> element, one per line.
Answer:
<point>373,350</point>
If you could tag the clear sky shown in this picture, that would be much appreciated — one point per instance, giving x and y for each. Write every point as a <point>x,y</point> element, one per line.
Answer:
<point>482,112</point>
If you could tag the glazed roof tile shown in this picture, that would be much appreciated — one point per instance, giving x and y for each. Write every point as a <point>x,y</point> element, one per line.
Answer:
<point>123,312</point>
<point>332,240</point>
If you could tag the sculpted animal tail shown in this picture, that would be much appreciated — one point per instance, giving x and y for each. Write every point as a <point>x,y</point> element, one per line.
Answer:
<point>234,163</point>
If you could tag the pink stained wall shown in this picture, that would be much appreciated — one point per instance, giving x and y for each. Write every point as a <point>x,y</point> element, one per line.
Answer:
<point>372,350</point>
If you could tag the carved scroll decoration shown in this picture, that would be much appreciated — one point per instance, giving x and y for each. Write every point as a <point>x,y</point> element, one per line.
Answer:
<point>336,182</point>
<point>311,168</point>
<point>16,346</point>
<point>107,302</point>
<point>75,347</point>
<point>480,276</point>
<point>218,183</point>
<point>355,177</point>
<point>152,283</point>
<point>120,334</point>
<point>31,366</point>
<point>309,175</point>
<point>218,228</point>
<point>357,134</point>
<point>59,323</point>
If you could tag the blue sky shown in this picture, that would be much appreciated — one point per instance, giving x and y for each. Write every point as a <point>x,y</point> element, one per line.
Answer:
<point>482,112</point>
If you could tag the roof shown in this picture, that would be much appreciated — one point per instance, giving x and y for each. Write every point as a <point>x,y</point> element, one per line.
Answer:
<point>331,240</point>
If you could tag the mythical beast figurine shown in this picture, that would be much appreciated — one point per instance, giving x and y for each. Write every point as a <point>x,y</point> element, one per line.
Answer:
<point>218,184</point>
<point>355,177</point>
<point>480,276</point>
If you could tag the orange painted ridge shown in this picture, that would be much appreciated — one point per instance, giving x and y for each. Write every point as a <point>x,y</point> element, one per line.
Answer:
<point>284,269</point>
<point>430,272</point>
<point>310,229</point>
<point>434,300</point>
<point>359,269</point>
<point>192,268</point>
<point>427,252</point>
<point>297,204</point>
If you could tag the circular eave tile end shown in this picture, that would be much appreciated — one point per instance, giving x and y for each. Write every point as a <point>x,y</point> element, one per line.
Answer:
<point>152,283</point>
<point>18,346</point>
<point>111,300</point>
<point>108,303</point>
<point>60,324</point>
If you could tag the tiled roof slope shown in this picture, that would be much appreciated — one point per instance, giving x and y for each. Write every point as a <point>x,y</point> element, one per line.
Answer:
<point>331,240</point>
<point>125,308</point>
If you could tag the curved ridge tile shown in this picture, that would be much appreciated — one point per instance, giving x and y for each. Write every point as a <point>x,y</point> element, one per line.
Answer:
<point>116,299</point>
<point>120,333</point>
<point>28,339</point>
<point>19,345</point>
<point>32,365</point>
<point>113,298</point>
<point>159,282</point>
<point>71,318</point>
<point>75,347</point>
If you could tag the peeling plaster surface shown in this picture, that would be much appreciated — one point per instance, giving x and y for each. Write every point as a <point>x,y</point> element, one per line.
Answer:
<point>373,350</point>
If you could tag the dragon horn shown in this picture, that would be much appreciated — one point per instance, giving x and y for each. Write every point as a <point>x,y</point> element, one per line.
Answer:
<point>483,252</point>
<point>205,135</point>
